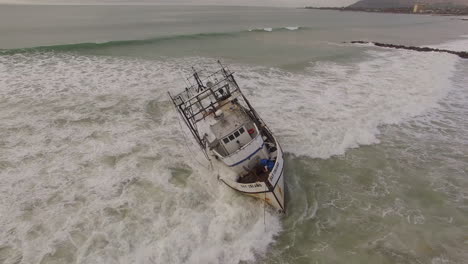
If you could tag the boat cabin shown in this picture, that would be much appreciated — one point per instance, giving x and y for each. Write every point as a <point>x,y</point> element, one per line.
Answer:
<point>231,130</point>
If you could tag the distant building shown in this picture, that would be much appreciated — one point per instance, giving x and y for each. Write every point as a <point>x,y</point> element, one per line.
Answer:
<point>418,8</point>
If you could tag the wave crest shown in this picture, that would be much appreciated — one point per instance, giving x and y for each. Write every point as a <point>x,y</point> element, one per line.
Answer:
<point>113,43</point>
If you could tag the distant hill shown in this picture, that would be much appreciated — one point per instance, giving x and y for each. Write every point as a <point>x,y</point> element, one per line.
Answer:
<point>434,7</point>
<point>403,3</point>
<point>383,4</point>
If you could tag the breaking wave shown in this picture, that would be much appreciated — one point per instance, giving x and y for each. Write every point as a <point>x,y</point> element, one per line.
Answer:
<point>269,29</point>
<point>98,45</point>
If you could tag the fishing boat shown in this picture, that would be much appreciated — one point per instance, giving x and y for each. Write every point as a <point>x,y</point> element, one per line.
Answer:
<point>229,131</point>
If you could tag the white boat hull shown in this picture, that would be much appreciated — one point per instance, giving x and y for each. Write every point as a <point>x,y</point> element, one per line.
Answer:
<point>271,191</point>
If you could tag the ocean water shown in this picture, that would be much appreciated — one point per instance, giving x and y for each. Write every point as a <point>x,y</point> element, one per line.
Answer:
<point>94,166</point>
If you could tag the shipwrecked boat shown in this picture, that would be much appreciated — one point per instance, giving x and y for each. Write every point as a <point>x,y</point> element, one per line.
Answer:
<point>229,131</point>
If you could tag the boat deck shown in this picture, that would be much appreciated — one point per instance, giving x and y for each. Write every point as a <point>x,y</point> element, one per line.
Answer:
<point>256,175</point>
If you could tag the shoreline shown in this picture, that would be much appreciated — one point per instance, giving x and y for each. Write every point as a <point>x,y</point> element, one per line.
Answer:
<point>408,11</point>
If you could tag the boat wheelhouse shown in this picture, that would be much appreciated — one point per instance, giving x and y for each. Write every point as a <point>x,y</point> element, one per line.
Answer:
<point>227,127</point>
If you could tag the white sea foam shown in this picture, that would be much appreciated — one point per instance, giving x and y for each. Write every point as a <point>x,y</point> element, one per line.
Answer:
<point>456,45</point>
<point>94,167</point>
<point>333,107</point>
<point>269,29</point>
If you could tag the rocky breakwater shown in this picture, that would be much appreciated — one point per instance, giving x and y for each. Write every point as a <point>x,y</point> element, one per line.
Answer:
<point>461,54</point>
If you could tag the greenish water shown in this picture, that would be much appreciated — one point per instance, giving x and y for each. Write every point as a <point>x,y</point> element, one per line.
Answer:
<point>95,168</point>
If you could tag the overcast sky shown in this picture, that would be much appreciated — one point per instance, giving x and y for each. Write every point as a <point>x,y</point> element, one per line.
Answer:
<point>291,3</point>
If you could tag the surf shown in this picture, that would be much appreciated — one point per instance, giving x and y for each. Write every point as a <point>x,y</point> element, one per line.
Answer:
<point>138,42</point>
<point>90,144</point>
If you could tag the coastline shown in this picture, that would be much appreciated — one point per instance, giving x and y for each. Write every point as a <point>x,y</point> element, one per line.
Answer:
<point>459,11</point>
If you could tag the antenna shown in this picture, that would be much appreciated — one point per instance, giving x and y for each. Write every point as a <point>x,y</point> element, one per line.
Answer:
<point>198,80</point>
<point>223,70</point>
<point>183,78</point>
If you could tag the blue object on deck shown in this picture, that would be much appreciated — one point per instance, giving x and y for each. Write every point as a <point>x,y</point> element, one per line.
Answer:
<point>268,163</point>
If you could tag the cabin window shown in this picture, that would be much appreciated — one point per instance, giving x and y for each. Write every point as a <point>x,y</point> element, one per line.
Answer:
<point>226,140</point>
<point>241,130</point>
<point>236,134</point>
<point>231,137</point>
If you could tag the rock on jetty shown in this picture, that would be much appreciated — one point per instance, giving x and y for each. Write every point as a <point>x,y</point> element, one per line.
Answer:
<point>461,54</point>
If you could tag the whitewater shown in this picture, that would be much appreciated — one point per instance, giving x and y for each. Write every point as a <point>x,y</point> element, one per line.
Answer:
<point>95,164</point>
